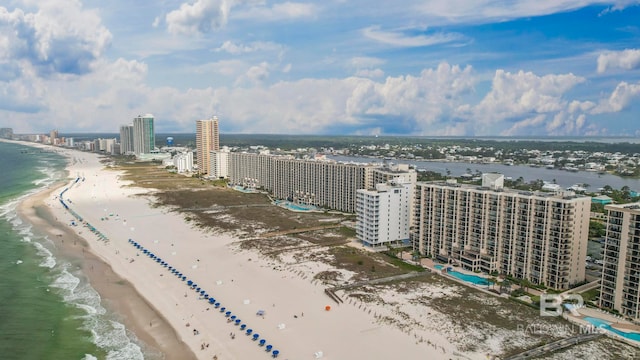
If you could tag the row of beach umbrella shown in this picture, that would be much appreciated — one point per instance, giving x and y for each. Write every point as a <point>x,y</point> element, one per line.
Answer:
<point>227,313</point>
<point>216,304</point>
<point>100,235</point>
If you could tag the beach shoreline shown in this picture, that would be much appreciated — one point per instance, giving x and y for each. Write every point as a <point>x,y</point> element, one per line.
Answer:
<point>117,294</point>
<point>277,295</point>
<point>296,320</point>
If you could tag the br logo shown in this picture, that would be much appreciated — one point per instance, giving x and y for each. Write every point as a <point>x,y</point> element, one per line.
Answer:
<point>551,304</point>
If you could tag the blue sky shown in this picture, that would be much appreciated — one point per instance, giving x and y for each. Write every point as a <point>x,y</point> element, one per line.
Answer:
<point>428,67</point>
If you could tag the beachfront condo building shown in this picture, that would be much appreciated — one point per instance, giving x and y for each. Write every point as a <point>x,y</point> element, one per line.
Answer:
<point>620,285</point>
<point>144,137</point>
<point>323,183</point>
<point>207,140</point>
<point>537,236</point>
<point>393,172</point>
<point>383,214</point>
<point>126,139</point>
<point>6,133</point>
<point>183,162</point>
<point>219,163</point>
<point>53,137</point>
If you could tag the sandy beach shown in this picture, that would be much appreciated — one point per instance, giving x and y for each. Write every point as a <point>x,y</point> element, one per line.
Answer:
<point>117,293</point>
<point>295,320</point>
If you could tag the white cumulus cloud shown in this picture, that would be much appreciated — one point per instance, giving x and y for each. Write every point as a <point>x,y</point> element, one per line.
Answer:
<point>59,38</point>
<point>201,16</point>
<point>619,99</point>
<point>626,60</point>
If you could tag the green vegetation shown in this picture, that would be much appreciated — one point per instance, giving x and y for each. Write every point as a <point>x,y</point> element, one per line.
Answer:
<point>622,196</point>
<point>597,229</point>
<point>404,265</point>
<point>590,295</point>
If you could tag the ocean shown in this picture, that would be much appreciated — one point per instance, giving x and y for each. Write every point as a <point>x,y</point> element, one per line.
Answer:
<point>48,310</point>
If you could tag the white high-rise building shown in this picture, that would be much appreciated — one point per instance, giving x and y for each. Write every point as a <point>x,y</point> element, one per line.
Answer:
<point>620,286</point>
<point>219,166</point>
<point>144,137</point>
<point>183,161</point>
<point>126,139</point>
<point>207,140</point>
<point>383,214</point>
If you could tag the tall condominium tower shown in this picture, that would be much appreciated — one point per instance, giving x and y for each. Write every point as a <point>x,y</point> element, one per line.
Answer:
<point>126,139</point>
<point>540,237</point>
<point>383,214</point>
<point>144,138</point>
<point>620,286</point>
<point>207,140</point>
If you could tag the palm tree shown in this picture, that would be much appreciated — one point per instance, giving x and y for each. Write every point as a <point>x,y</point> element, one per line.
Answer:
<point>505,286</point>
<point>493,280</point>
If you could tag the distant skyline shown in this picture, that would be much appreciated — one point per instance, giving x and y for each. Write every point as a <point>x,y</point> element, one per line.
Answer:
<point>414,67</point>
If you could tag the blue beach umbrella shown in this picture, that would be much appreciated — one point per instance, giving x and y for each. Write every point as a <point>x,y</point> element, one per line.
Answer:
<point>222,309</point>
<point>269,347</point>
<point>184,278</point>
<point>217,304</point>
<point>212,300</point>
<point>232,317</point>
<point>262,342</point>
<point>238,321</point>
<point>202,292</point>
<point>228,313</point>
<point>256,336</point>
<point>275,353</point>
<point>249,331</point>
<point>243,326</point>
<point>189,282</point>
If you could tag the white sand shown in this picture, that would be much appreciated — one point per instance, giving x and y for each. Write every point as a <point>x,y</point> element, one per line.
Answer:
<point>229,275</point>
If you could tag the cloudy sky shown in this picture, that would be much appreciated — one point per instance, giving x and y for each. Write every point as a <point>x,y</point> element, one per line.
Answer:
<point>407,67</point>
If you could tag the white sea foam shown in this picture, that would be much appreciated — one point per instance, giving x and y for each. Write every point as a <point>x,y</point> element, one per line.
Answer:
<point>48,260</point>
<point>109,335</point>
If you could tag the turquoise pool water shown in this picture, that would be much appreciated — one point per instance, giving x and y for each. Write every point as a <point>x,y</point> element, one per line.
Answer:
<point>605,325</point>
<point>296,207</point>
<point>474,279</point>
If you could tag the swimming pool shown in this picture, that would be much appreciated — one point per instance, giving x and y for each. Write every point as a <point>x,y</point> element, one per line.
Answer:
<point>295,207</point>
<point>474,279</point>
<point>602,324</point>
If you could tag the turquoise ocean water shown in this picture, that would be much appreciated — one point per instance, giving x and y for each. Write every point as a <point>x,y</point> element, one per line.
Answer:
<point>47,308</point>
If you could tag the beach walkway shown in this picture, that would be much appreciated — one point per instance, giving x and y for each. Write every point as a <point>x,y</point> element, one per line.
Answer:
<point>555,346</point>
<point>298,231</point>
<point>331,292</point>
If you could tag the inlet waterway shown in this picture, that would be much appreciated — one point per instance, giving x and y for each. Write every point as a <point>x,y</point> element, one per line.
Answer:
<point>561,177</point>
